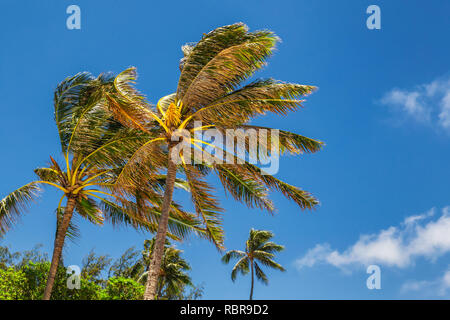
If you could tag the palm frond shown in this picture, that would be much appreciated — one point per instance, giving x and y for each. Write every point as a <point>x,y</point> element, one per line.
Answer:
<point>271,264</point>
<point>165,102</point>
<point>227,70</point>
<point>271,247</point>
<point>143,217</point>
<point>14,204</point>
<point>206,205</point>
<point>232,254</point>
<point>129,105</point>
<point>242,266</point>
<point>88,209</point>
<point>197,55</point>
<point>258,238</point>
<point>48,174</point>
<point>220,61</point>
<point>66,98</point>
<point>304,199</point>
<point>243,187</point>
<point>260,275</point>
<point>257,98</point>
<point>289,141</point>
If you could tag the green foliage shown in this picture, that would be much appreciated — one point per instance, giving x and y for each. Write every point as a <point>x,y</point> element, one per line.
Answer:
<point>23,276</point>
<point>128,265</point>
<point>12,284</point>
<point>7,257</point>
<point>119,288</point>
<point>93,265</point>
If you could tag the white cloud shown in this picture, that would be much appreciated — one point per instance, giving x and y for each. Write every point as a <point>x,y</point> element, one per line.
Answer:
<point>408,102</point>
<point>417,236</point>
<point>440,286</point>
<point>444,116</point>
<point>426,103</point>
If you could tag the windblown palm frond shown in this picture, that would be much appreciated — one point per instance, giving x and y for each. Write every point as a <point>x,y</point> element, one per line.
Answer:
<point>220,61</point>
<point>206,205</point>
<point>13,205</point>
<point>242,267</point>
<point>257,98</point>
<point>243,187</point>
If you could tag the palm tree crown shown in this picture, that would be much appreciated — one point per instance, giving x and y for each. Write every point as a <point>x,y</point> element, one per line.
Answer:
<point>208,92</point>
<point>259,251</point>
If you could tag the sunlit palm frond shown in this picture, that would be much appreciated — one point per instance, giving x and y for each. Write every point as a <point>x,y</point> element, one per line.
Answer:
<point>48,174</point>
<point>141,163</point>
<point>128,104</point>
<point>126,212</point>
<point>88,209</point>
<point>304,199</point>
<point>257,98</point>
<point>271,247</point>
<point>197,55</point>
<point>289,141</point>
<point>227,69</point>
<point>14,204</point>
<point>164,103</point>
<point>243,187</point>
<point>206,205</point>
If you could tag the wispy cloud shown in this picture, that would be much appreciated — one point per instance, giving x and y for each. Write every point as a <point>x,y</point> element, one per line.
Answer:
<point>440,286</point>
<point>397,246</point>
<point>426,103</point>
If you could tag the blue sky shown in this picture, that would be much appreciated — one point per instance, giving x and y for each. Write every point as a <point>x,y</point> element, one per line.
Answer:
<point>383,109</point>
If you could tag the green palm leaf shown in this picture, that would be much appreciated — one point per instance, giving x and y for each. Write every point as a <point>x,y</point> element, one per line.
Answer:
<point>206,205</point>
<point>14,204</point>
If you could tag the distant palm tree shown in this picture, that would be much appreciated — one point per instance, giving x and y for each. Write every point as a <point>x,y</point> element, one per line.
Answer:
<point>209,92</point>
<point>258,249</point>
<point>93,146</point>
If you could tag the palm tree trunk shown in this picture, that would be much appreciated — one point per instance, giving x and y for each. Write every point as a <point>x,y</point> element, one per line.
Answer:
<point>253,280</point>
<point>58,246</point>
<point>158,251</point>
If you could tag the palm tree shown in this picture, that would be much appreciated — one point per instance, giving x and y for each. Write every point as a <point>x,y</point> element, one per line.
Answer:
<point>208,91</point>
<point>94,146</point>
<point>173,277</point>
<point>258,248</point>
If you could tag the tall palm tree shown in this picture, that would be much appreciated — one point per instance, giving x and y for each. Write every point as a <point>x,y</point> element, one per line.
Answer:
<point>173,276</point>
<point>258,249</point>
<point>94,146</point>
<point>208,91</point>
